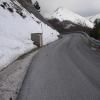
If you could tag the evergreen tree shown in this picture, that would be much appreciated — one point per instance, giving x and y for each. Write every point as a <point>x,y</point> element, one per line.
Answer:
<point>37,7</point>
<point>96,30</point>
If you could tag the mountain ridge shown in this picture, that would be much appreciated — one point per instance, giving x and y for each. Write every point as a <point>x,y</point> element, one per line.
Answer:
<point>65,14</point>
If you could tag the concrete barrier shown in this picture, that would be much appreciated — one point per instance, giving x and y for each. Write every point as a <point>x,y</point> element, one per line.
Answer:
<point>37,39</point>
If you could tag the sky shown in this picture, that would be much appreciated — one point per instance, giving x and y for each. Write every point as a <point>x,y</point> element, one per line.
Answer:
<point>82,7</point>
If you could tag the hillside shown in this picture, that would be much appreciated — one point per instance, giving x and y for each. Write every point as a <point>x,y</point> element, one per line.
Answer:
<point>16,26</point>
<point>27,4</point>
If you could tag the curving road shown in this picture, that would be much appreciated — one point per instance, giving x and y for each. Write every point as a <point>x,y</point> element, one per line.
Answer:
<point>64,70</point>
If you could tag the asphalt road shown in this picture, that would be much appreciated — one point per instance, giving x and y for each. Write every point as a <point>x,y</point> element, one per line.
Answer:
<point>64,70</point>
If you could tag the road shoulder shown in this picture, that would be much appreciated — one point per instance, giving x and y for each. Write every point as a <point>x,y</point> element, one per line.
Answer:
<point>12,77</point>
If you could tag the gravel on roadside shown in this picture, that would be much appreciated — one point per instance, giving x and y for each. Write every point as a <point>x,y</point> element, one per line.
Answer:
<point>12,77</point>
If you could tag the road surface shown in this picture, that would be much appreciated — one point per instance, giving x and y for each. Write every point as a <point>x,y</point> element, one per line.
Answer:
<point>64,70</point>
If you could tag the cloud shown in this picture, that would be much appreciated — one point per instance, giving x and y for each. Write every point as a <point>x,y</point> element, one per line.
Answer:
<point>83,7</point>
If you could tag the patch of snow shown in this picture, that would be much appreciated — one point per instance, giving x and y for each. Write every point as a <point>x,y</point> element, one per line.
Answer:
<point>51,36</point>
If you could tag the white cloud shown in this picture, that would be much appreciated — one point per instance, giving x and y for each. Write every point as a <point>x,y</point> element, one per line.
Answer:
<point>85,7</point>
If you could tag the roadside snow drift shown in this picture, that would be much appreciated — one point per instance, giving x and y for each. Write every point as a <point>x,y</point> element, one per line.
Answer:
<point>64,14</point>
<point>16,26</point>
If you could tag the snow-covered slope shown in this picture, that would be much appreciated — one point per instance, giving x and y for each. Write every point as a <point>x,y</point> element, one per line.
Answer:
<point>65,14</point>
<point>93,18</point>
<point>16,26</point>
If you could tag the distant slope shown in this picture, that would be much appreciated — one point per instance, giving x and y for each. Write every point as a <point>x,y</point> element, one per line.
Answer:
<point>93,18</point>
<point>64,27</point>
<point>63,14</point>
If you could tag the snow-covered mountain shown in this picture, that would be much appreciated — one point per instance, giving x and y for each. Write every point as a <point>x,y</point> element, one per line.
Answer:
<point>93,18</point>
<point>64,14</point>
<point>16,26</point>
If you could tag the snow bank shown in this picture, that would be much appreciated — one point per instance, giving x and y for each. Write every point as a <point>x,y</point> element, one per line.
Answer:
<point>51,36</point>
<point>15,33</point>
